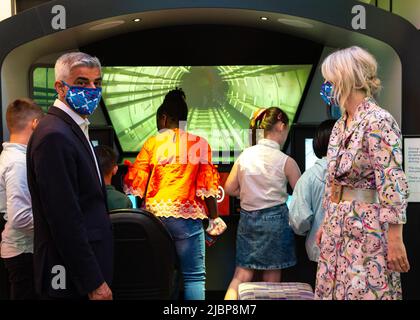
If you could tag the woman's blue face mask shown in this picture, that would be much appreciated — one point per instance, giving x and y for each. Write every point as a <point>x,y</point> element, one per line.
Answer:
<point>82,100</point>
<point>327,94</point>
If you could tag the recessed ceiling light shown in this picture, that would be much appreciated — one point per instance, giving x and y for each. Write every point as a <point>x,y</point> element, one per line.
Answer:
<point>107,25</point>
<point>295,23</point>
<point>264,18</point>
<point>137,20</point>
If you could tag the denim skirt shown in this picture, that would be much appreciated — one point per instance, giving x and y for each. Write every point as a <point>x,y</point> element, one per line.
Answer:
<point>265,241</point>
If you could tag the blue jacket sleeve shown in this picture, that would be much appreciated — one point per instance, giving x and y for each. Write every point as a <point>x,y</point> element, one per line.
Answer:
<point>300,212</point>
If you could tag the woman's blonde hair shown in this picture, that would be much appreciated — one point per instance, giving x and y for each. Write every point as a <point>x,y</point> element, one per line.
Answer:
<point>351,68</point>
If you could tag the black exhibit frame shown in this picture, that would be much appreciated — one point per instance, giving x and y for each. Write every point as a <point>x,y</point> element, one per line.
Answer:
<point>206,45</point>
<point>298,134</point>
<point>402,36</point>
<point>200,45</point>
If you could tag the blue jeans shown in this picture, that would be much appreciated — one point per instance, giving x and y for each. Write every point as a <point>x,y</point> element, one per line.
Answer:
<point>188,235</point>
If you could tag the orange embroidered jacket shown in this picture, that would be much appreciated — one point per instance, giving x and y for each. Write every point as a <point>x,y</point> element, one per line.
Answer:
<point>175,167</point>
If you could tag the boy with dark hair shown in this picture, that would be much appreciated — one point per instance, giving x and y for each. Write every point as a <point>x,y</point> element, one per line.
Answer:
<point>22,117</point>
<point>107,159</point>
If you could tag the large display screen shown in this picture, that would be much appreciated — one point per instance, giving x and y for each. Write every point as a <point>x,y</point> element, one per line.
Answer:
<point>42,85</point>
<point>221,100</point>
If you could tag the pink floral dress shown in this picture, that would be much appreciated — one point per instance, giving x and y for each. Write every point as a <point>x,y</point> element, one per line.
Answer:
<point>367,155</point>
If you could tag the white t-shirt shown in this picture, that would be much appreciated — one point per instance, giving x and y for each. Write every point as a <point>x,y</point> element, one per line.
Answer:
<point>261,177</point>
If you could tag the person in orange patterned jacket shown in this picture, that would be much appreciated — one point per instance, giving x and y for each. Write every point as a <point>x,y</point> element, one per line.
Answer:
<point>174,174</point>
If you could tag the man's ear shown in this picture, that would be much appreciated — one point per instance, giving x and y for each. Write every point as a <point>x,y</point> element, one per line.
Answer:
<point>60,88</point>
<point>114,170</point>
<point>35,123</point>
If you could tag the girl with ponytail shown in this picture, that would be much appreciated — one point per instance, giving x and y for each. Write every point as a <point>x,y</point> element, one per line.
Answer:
<point>259,177</point>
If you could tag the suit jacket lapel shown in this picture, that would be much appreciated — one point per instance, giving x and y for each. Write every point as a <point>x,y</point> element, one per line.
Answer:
<point>79,133</point>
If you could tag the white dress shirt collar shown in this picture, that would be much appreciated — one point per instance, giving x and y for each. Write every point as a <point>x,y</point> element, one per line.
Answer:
<point>84,126</point>
<point>83,123</point>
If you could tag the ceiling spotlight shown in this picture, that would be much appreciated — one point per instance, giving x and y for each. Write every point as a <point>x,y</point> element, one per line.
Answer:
<point>137,20</point>
<point>264,18</point>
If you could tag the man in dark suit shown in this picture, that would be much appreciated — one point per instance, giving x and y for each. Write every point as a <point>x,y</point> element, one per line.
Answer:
<point>73,245</point>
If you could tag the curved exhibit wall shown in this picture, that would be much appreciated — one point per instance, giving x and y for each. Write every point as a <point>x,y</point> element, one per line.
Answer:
<point>46,49</point>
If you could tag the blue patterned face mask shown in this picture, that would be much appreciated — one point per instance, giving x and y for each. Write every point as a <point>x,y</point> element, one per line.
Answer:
<point>335,112</point>
<point>328,97</point>
<point>82,100</point>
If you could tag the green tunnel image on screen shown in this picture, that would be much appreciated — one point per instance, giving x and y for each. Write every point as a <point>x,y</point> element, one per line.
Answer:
<point>221,99</point>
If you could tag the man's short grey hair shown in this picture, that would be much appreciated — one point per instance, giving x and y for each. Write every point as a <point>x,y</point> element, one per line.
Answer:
<point>68,61</point>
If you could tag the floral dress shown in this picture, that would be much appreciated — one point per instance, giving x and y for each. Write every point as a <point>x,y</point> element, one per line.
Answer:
<point>353,259</point>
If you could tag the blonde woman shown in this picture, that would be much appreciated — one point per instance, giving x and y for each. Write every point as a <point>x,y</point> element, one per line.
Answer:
<point>362,250</point>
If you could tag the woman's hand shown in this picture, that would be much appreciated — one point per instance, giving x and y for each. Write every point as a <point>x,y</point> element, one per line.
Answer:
<point>318,237</point>
<point>216,227</point>
<point>397,255</point>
